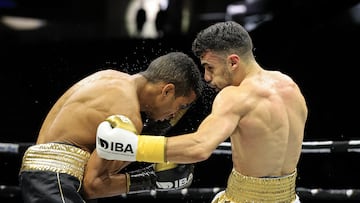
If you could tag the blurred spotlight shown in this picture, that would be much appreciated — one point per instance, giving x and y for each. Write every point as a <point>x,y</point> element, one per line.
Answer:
<point>249,13</point>
<point>22,23</point>
<point>355,14</point>
<point>141,16</point>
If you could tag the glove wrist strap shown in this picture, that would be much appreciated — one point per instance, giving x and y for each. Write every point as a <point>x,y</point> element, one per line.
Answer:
<point>151,149</point>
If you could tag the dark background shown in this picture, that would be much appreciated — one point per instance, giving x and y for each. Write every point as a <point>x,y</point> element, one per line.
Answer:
<point>315,42</point>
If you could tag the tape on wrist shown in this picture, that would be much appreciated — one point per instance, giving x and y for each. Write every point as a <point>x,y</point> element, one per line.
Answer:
<point>151,149</point>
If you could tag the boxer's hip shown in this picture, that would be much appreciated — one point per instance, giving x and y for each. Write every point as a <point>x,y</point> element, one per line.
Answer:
<point>56,157</point>
<point>242,188</point>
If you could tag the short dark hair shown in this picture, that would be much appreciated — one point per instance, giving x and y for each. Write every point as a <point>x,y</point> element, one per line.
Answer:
<point>176,68</point>
<point>223,37</point>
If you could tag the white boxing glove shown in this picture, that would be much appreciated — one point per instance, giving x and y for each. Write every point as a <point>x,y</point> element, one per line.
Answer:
<point>116,139</point>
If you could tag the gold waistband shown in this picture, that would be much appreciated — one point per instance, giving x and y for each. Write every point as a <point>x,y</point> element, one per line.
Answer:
<point>56,157</point>
<point>242,188</point>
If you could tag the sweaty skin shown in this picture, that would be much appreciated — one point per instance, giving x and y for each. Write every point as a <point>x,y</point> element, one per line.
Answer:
<point>92,98</point>
<point>262,112</point>
<point>75,117</point>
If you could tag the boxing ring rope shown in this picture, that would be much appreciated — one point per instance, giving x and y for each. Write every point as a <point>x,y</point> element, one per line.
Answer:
<point>308,147</point>
<point>224,148</point>
<point>209,193</point>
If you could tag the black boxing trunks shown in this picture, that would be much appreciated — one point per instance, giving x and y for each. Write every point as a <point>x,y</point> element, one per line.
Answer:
<point>242,189</point>
<point>52,172</point>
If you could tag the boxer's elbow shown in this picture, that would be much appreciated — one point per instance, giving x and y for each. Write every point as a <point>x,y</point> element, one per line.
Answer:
<point>90,189</point>
<point>199,150</point>
<point>200,154</point>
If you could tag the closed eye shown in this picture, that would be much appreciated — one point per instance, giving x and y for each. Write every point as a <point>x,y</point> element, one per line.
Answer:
<point>208,68</point>
<point>185,106</point>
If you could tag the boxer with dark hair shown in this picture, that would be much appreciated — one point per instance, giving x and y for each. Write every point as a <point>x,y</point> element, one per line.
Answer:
<point>63,165</point>
<point>262,112</point>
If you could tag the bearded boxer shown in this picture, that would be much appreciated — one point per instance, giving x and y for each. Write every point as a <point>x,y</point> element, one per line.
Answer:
<point>63,165</point>
<point>262,112</point>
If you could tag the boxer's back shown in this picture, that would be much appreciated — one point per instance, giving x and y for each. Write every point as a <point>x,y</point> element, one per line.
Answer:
<point>74,117</point>
<point>270,134</point>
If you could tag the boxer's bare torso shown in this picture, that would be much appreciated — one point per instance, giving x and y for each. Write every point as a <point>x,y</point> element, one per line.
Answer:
<point>75,116</point>
<point>268,139</point>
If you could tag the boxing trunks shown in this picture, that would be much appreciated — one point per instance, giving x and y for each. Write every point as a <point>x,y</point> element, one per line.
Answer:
<point>241,189</point>
<point>52,172</point>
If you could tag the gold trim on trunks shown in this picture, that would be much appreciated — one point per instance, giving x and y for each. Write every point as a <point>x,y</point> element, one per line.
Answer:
<point>55,157</point>
<point>242,188</point>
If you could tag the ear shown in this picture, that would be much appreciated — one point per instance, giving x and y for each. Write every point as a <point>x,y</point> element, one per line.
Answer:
<point>168,90</point>
<point>234,60</point>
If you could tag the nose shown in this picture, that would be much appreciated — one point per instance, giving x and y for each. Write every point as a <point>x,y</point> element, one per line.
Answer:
<point>207,76</point>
